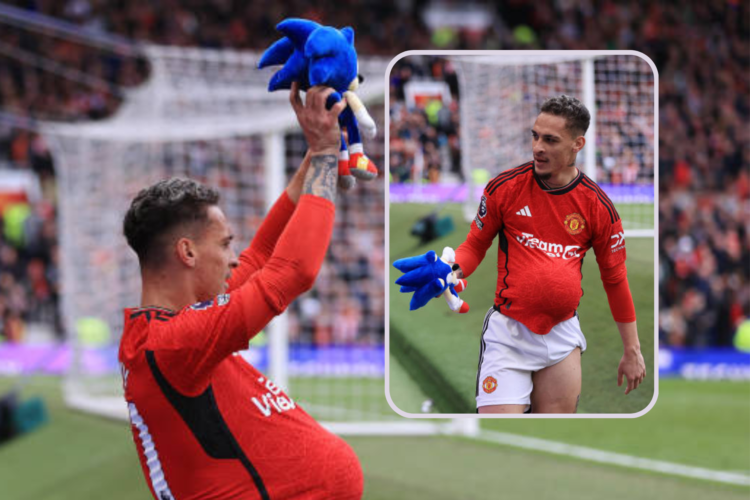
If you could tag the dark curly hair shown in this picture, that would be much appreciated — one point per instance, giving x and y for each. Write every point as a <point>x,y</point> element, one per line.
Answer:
<point>577,117</point>
<point>158,210</point>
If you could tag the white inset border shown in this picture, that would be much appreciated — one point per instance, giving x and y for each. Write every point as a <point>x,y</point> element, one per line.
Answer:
<point>573,54</point>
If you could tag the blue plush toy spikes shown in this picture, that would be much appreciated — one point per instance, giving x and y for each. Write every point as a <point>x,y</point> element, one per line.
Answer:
<point>311,54</point>
<point>426,276</point>
<point>278,53</point>
<point>298,30</point>
<point>289,51</point>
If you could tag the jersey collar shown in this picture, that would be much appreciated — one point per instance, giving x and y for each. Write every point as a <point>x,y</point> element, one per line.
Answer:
<point>559,190</point>
<point>146,308</point>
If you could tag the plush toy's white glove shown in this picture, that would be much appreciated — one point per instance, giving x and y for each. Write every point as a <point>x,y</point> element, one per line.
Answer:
<point>456,285</point>
<point>366,123</point>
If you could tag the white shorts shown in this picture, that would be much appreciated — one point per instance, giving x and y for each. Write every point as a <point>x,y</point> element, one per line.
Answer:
<point>510,353</point>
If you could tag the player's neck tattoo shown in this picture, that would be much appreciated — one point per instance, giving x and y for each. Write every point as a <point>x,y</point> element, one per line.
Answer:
<point>322,176</point>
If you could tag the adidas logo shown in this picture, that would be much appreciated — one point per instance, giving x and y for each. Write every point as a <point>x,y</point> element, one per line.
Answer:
<point>524,211</point>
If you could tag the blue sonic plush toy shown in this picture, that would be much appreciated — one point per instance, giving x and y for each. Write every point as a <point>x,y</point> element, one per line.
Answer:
<point>311,55</point>
<point>427,277</point>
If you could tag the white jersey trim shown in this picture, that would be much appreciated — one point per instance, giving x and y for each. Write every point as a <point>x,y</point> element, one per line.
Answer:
<point>156,474</point>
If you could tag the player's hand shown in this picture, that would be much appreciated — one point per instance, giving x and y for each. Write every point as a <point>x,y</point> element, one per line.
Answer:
<point>633,368</point>
<point>320,126</point>
<point>455,303</point>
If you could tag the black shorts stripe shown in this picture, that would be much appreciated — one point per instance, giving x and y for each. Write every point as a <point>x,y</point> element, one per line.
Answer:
<point>603,198</point>
<point>483,345</point>
<point>506,173</point>
<point>516,173</point>
<point>609,209</point>
<point>206,423</point>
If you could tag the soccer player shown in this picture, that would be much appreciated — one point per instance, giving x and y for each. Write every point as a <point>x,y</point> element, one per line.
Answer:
<point>206,424</point>
<point>547,214</point>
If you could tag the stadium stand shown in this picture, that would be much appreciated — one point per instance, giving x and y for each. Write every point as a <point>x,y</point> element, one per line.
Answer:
<point>435,130</point>
<point>700,49</point>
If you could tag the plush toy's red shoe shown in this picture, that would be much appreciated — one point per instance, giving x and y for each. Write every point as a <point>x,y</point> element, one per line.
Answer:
<point>362,167</point>
<point>346,180</point>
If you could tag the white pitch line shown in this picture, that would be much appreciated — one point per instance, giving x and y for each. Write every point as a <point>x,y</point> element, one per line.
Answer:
<point>606,457</point>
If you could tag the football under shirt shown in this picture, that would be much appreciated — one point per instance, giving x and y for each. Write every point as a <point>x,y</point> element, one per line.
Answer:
<point>544,234</point>
<point>207,424</point>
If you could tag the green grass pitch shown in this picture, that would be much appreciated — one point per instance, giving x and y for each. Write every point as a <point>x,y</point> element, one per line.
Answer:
<point>440,349</point>
<point>636,215</point>
<point>78,456</point>
<point>702,424</point>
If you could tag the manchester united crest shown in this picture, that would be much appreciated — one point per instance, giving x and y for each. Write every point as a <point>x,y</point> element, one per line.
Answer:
<point>489,385</point>
<point>574,223</point>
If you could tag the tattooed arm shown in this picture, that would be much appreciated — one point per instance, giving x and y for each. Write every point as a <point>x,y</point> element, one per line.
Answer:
<point>313,177</point>
<point>321,129</point>
<point>288,250</point>
<point>322,176</point>
<point>301,248</point>
<point>318,173</point>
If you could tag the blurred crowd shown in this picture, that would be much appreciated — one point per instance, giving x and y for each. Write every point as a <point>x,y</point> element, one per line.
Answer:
<point>703,58</point>
<point>425,128</point>
<point>424,135</point>
<point>347,303</point>
<point>29,281</point>
<point>700,49</point>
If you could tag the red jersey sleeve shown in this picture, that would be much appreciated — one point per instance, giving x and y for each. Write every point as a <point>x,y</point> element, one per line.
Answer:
<point>615,280</point>
<point>482,232</point>
<point>609,247</point>
<point>190,344</point>
<point>609,238</point>
<point>262,245</point>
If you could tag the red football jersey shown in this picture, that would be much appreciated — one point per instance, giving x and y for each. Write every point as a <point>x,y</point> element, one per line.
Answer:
<point>207,424</point>
<point>544,234</point>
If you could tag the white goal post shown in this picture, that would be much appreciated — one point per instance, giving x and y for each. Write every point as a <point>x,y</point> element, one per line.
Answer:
<point>207,114</point>
<point>500,97</point>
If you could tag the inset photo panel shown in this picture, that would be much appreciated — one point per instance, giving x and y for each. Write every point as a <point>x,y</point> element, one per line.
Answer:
<point>521,226</point>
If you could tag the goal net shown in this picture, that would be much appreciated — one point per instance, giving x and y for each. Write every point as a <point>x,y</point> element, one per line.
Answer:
<point>501,96</point>
<point>206,114</point>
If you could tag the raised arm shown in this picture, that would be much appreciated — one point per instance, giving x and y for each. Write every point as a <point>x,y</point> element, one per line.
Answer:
<point>319,139</point>
<point>200,337</point>
<point>261,247</point>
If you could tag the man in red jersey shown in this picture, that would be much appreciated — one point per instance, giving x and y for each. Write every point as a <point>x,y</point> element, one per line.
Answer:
<point>208,425</point>
<point>547,214</point>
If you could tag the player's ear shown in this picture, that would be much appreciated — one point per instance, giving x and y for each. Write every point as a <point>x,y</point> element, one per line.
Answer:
<point>186,251</point>
<point>579,143</point>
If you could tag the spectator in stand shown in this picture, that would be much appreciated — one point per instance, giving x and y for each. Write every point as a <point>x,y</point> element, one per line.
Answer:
<point>427,134</point>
